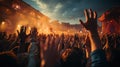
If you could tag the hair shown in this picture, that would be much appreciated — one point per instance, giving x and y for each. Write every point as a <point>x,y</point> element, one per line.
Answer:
<point>74,58</point>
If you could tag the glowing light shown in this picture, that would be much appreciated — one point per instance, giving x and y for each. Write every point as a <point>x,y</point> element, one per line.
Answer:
<point>80,31</point>
<point>3,23</point>
<point>19,26</point>
<point>29,28</point>
<point>3,26</point>
<point>43,63</point>
<point>28,31</point>
<point>17,6</point>
<point>32,13</point>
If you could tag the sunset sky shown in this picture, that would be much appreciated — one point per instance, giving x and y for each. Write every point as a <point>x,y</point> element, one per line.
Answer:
<point>70,10</point>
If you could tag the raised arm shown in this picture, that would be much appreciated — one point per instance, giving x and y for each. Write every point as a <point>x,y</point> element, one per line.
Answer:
<point>91,26</point>
<point>98,57</point>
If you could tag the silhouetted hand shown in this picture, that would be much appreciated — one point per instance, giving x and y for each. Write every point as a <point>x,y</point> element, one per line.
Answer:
<point>91,26</point>
<point>22,34</point>
<point>91,20</point>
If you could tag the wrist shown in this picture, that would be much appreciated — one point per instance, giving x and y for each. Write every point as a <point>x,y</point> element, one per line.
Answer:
<point>95,40</point>
<point>94,32</point>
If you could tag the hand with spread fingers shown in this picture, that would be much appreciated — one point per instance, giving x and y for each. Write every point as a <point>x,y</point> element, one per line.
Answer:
<point>91,20</point>
<point>91,26</point>
<point>98,58</point>
<point>22,34</point>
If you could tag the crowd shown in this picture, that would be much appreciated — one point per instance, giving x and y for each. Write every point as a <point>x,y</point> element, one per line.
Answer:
<point>53,50</point>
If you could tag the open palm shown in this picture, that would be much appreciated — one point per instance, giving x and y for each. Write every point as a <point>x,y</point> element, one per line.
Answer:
<point>91,20</point>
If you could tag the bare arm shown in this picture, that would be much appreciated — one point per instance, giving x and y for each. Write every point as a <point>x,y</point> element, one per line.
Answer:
<point>91,26</point>
<point>98,57</point>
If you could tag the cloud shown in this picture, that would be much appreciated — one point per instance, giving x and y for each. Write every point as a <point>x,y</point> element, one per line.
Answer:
<point>61,10</point>
<point>71,10</point>
<point>40,4</point>
<point>58,7</point>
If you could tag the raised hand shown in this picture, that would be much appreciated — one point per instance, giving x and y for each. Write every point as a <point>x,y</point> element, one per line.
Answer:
<point>91,26</point>
<point>34,49</point>
<point>22,34</point>
<point>91,20</point>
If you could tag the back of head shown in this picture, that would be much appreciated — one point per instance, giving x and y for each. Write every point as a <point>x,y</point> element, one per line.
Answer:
<point>74,58</point>
<point>8,59</point>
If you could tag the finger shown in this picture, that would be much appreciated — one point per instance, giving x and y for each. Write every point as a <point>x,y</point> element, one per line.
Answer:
<point>25,29</point>
<point>95,15</point>
<point>86,14</point>
<point>21,29</point>
<point>82,22</point>
<point>91,13</point>
<point>18,32</point>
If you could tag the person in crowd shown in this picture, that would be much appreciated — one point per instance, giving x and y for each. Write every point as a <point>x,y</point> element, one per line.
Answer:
<point>63,50</point>
<point>111,35</point>
<point>75,58</point>
<point>22,35</point>
<point>111,27</point>
<point>110,20</point>
<point>34,49</point>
